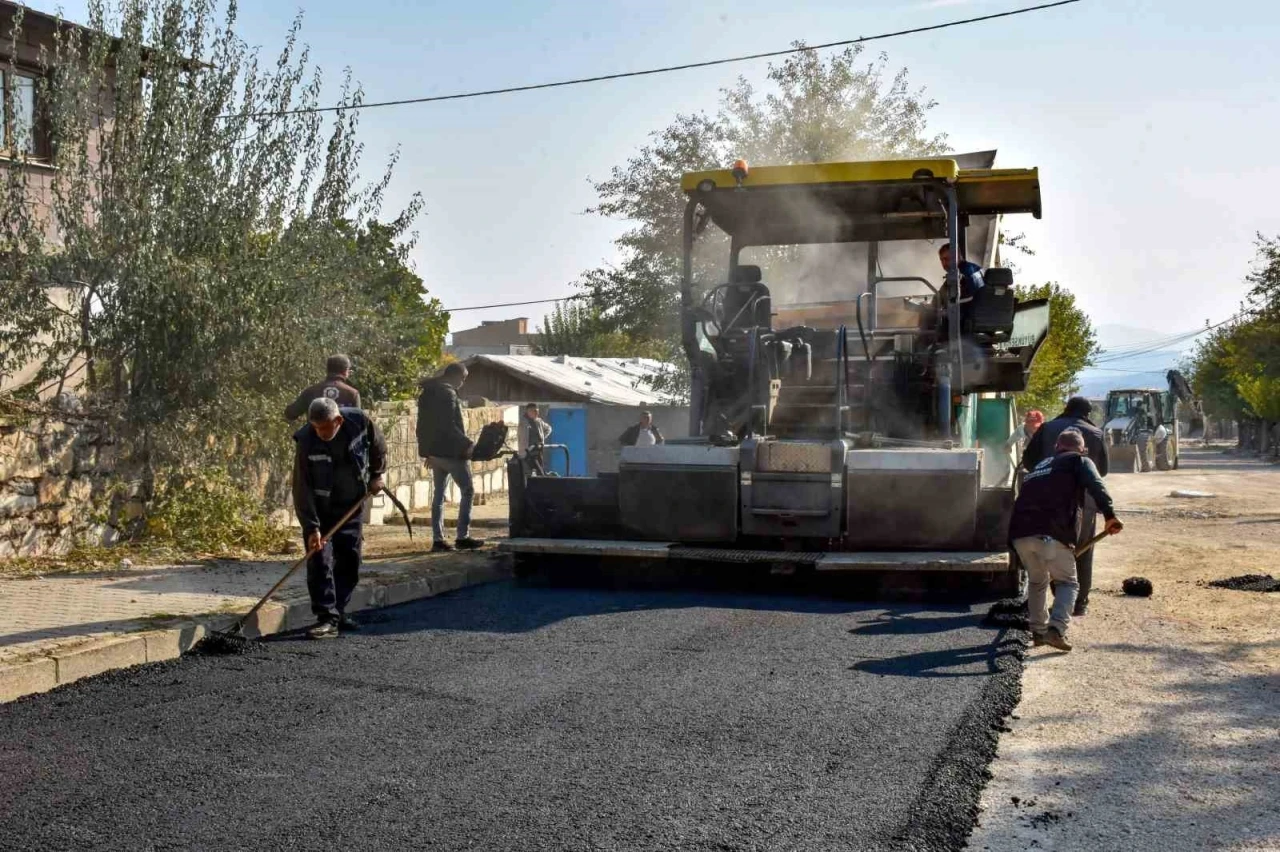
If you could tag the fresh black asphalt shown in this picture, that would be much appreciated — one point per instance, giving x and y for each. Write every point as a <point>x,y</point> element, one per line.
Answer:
<point>508,717</point>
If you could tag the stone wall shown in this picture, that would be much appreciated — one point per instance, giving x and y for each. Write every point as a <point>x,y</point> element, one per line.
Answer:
<point>410,480</point>
<point>55,477</point>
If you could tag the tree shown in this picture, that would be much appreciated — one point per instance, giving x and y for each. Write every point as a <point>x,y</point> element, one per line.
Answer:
<point>213,239</point>
<point>1069,348</point>
<point>813,110</point>
<point>580,328</point>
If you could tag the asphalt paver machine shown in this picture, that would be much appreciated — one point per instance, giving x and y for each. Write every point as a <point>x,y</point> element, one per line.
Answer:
<point>844,386</point>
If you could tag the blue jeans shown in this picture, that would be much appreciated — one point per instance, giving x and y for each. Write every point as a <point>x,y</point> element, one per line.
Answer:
<point>460,470</point>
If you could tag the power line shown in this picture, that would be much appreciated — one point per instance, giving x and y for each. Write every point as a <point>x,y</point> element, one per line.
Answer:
<point>516,304</point>
<point>664,70</point>
<point>1155,346</point>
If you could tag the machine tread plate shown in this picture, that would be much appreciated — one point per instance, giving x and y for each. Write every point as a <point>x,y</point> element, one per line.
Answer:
<point>744,557</point>
<point>951,561</point>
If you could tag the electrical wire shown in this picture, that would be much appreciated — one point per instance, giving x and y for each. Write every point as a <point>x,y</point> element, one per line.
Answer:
<point>531,87</point>
<point>516,304</point>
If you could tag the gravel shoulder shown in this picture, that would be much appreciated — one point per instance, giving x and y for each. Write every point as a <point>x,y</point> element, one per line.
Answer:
<point>1159,731</point>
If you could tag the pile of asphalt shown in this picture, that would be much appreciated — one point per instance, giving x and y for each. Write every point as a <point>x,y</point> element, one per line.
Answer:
<point>223,644</point>
<point>1010,613</point>
<point>1137,587</point>
<point>1248,583</point>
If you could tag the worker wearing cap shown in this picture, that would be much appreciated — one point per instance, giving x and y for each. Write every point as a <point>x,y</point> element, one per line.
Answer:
<point>1044,530</point>
<point>340,459</point>
<point>1074,416</point>
<point>334,387</point>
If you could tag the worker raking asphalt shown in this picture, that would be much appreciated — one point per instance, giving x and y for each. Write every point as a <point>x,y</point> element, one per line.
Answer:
<point>510,717</point>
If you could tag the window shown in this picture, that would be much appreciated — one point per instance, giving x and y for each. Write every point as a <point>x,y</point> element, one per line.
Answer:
<point>22,129</point>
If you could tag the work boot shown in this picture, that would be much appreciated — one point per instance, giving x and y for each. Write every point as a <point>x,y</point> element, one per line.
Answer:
<point>1037,638</point>
<point>470,543</point>
<point>1054,639</point>
<point>1081,609</point>
<point>323,630</point>
<point>440,546</point>
<point>348,624</point>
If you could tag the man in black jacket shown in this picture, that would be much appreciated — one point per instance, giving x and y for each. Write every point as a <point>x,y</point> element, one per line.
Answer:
<point>1043,531</point>
<point>1075,416</point>
<point>334,387</point>
<point>642,434</point>
<point>443,442</point>
<point>341,457</point>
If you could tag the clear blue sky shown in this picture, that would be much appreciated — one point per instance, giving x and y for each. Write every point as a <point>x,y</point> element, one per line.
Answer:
<point>1153,123</point>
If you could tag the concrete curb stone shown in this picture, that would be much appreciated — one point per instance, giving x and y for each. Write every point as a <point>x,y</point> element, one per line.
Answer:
<point>151,646</point>
<point>24,679</point>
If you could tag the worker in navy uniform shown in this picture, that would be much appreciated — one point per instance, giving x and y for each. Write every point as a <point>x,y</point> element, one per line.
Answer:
<point>1074,416</point>
<point>334,387</point>
<point>341,458</point>
<point>1044,530</point>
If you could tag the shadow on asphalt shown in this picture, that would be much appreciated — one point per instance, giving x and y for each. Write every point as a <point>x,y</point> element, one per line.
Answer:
<point>947,663</point>
<point>904,623</point>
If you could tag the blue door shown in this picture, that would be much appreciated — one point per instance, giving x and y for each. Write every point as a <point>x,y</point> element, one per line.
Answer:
<point>568,427</point>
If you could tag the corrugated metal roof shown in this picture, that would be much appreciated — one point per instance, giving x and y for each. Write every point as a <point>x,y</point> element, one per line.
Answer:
<point>614,381</point>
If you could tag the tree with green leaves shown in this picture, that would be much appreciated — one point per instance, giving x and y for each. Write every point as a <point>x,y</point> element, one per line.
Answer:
<point>210,239</point>
<point>812,110</point>
<point>1069,348</point>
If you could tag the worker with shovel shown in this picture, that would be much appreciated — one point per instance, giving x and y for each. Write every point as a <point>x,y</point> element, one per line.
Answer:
<point>341,457</point>
<point>1044,530</point>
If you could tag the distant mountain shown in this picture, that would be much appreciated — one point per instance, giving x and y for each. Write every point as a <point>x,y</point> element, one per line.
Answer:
<point>1115,369</point>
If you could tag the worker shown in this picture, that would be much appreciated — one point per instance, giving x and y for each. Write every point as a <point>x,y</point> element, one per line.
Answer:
<point>642,434</point>
<point>1013,448</point>
<point>534,432</point>
<point>340,459</point>
<point>1074,416</point>
<point>970,273</point>
<point>1161,437</point>
<point>444,445</point>
<point>334,387</point>
<point>1043,528</point>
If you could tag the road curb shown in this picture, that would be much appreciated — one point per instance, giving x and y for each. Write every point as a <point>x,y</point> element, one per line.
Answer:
<point>151,646</point>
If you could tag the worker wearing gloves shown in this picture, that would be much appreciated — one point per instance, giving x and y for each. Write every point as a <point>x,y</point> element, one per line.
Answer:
<point>1074,416</point>
<point>444,444</point>
<point>1044,531</point>
<point>340,459</point>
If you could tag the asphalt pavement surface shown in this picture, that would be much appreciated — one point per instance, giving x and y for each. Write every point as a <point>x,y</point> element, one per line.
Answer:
<point>518,717</point>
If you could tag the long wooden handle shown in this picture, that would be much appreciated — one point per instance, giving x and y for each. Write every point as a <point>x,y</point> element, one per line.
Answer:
<point>348,516</point>
<point>1084,548</point>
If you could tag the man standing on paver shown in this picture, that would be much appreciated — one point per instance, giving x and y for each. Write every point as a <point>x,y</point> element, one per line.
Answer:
<point>1074,416</point>
<point>443,443</point>
<point>534,432</point>
<point>341,457</point>
<point>1043,531</point>
<point>334,387</point>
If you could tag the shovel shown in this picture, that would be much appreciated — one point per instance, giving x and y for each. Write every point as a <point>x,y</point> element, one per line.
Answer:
<point>234,641</point>
<point>1084,548</point>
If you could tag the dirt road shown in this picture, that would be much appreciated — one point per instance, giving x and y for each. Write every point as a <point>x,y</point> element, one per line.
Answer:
<point>1159,731</point>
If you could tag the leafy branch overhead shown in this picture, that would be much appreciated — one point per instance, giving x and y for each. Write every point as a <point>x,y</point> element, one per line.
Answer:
<point>194,258</point>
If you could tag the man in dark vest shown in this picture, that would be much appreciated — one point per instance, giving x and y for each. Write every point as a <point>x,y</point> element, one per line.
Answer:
<point>341,457</point>
<point>1043,531</point>
<point>1074,416</point>
<point>444,444</point>
<point>334,387</point>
